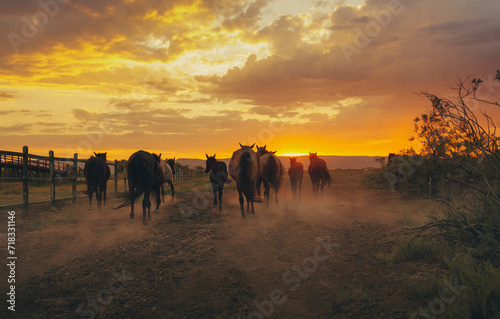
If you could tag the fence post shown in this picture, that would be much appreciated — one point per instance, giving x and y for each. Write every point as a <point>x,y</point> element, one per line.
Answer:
<point>52,178</point>
<point>116,176</point>
<point>25,180</point>
<point>75,180</point>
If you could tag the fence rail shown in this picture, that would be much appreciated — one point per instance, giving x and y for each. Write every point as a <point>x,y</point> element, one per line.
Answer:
<point>30,167</point>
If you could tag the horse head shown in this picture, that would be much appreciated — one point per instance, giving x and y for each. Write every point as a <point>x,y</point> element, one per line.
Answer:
<point>171,163</point>
<point>313,156</point>
<point>209,162</point>
<point>293,160</point>
<point>246,146</point>
<point>261,150</point>
<point>157,157</point>
<point>101,155</point>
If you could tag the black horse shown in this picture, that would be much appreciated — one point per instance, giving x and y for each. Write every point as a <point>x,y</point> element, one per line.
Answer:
<point>144,175</point>
<point>97,174</point>
<point>296,172</point>
<point>218,176</point>
<point>318,172</point>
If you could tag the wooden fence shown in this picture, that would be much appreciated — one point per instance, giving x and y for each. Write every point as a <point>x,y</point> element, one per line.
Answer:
<point>30,166</point>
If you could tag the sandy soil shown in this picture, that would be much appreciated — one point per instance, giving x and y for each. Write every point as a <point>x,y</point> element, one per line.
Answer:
<point>313,258</point>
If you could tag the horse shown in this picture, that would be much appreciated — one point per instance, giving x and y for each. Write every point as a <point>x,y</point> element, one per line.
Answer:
<point>97,174</point>
<point>244,168</point>
<point>296,172</point>
<point>272,172</point>
<point>218,176</point>
<point>168,169</point>
<point>144,175</point>
<point>318,172</point>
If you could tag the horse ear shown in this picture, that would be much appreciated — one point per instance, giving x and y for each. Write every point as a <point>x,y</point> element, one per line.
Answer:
<point>265,146</point>
<point>240,145</point>
<point>206,155</point>
<point>95,153</point>
<point>274,152</point>
<point>214,155</point>
<point>252,145</point>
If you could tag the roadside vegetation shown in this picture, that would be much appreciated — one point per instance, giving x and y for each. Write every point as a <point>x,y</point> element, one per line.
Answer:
<point>458,165</point>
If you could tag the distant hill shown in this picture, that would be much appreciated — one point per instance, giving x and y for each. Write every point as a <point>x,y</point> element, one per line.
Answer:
<point>333,162</point>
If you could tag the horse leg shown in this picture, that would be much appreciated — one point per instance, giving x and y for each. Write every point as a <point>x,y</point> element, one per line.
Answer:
<point>267,189</point>
<point>89,191</point>
<point>220,196</point>
<point>162,193</point>
<point>158,199</point>
<point>252,211</point>
<point>131,191</point>
<point>214,188</point>
<point>259,182</point>
<point>146,205</point>
<point>242,200</point>
<point>104,197</point>
<point>172,188</point>
<point>98,195</point>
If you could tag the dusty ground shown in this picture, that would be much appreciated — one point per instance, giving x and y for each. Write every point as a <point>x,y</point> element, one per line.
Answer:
<point>313,258</point>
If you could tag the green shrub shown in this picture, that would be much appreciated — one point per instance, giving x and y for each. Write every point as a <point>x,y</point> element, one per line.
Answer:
<point>408,248</point>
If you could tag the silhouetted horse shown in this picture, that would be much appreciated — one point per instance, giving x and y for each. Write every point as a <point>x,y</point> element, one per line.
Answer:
<point>144,175</point>
<point>97,174</point>
<point>272,172</point>
<point>296,172</point>
<point>168,169</point>
<point>244,168</point>
<point>318,172</point>
<point>218,176</point>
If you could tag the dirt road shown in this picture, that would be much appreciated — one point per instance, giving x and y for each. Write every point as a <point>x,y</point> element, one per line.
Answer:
<point>313,258</point>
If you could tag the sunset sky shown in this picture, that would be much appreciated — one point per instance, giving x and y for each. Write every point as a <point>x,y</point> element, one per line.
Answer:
<point>187,78</point>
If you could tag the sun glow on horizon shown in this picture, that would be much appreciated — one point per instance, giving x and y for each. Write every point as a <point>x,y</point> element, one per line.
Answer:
<point>292,154</point>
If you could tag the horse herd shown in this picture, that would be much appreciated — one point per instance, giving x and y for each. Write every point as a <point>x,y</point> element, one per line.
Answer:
<point>147,172</point>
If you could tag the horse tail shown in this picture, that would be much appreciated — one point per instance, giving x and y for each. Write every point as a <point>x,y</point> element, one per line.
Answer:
<point>137,173</point>
<point>94,177</point>
<point>243,178</point>
<point>271,171</point>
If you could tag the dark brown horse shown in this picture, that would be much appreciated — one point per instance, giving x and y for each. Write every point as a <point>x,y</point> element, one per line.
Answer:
<point>244,168</point>
<point>144,175</point>
<point>218,176</point>
<point>97,174</point>
<point>272,172</point>
<point>296,173</point>
<point>318,172</point>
